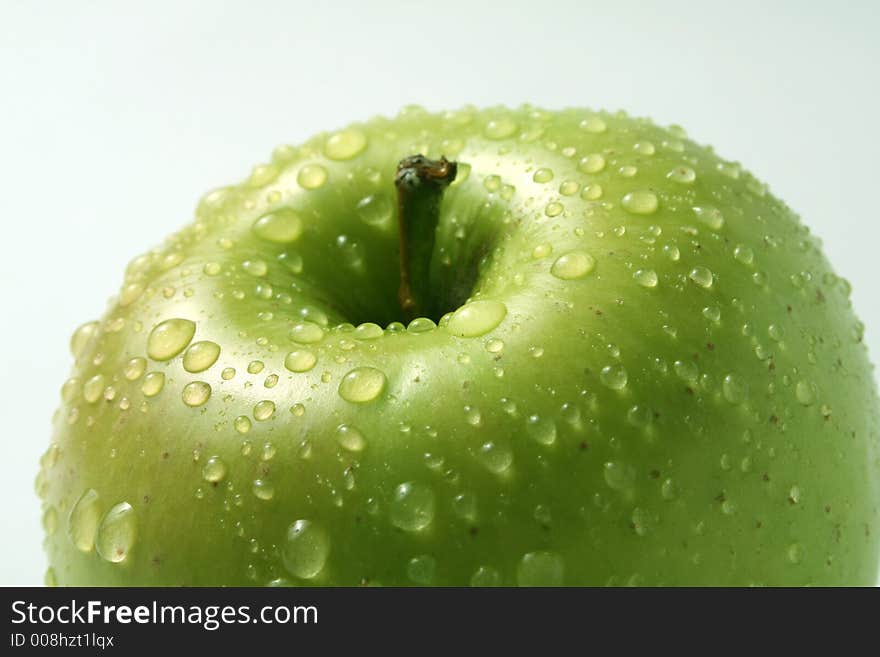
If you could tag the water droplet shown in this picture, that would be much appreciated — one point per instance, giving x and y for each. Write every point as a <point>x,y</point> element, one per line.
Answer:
<point>306,332</point>
<point>350,438</point>
<point>805,391</point>
<point>228,373</point>
<point>116,533</point>
<point>375,210</point>
<point>412,507</point>
<point>368,331</point>
<point>81,337</point>
<point>421,569</point>
<point>614,376</point>
<point>473,416</point>
<point>263,410</point>
<point>541,430</point>
<point>300,360</point>
<point>499,128</point>
<point>464,505</point>
<point>646,277</point>
<point>169,338</point>
<point>643,521</point>
<point>255,267</point>
<point>644,148</point>
<point>50,520</point>
<point>421,325</point>
<point>242,424</point>
<point>211,268</point>
<point>592,163</point>
<point>345,144</point>
<point>135,368</point>
<point>743,254</point>
<point>734,389</point>
<point>710,216</point>
<point>573,265</point>
<point>543,175</point>
<point>269,450</point>
<point>712,313</point>
<point>641,201</point>
<point>476,318</point>
<point>671,251</point>
<point>687,371</point>
<point>592,192</point>
<point>153,384</point>
<point>485,577</point>
<point>569,188</point>
<point>305,549</point>
<point>200,356</point>
<point>668,489</point>
<point>196,393</point>
<point>495,456</point>
<point>93,388</point>
<point>795,553</point>
<point>311,176</point>
<point>554,209</point>
<point>280,227</point>
<point>214,470</point>
<point>362,384</point>
<point>263,490</point>
<point>702,276</point>
<point>541,569</point>
<point>619,476</point>
<point>682,174</point>
<point>83,521</point>
<point>776,332</point>
<point>594,124</point>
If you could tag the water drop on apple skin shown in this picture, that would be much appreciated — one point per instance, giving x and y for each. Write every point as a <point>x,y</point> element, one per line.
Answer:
<point>300,360</point>
<point>82,523</point>
<point>279,227</point>
<point>573,265</point>
<point>422,569</point>
<point>169,338</point>
<point>214,470</point>
<point>196,393</point>
<point>499,128</point>
<point>350,438</point>
<point>476,318</point>
<point>702,276</point>
<point>486,577</point>
<point>305,549</point>
<point>264,410</point>
<point>640,202</point>
<point>412,506</point>
<point>311,176</point>
<point>199,356</point>
<point>153,384</point>
<point>614,376</point>
<point>345,144</point>
<point>646,277</point>
<point>116,533</point>
<point>362,385</point>
<point>542,568</point>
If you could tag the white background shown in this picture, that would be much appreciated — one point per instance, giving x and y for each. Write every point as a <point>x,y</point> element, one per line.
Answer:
<point>115,117</point>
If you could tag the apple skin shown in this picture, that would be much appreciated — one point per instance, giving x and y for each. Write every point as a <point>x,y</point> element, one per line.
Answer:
<point>689,403</point>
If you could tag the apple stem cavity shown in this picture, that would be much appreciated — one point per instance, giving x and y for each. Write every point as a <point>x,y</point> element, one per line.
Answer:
<point>420,183</point>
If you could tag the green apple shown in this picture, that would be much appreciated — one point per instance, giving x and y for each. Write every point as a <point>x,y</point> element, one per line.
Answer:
<point>605,356</point>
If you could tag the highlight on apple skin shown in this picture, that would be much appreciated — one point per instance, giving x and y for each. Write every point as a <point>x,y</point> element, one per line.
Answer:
<point>630,364</point>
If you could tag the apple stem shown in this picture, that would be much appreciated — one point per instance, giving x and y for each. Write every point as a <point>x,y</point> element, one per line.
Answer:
<point>420,182</point>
